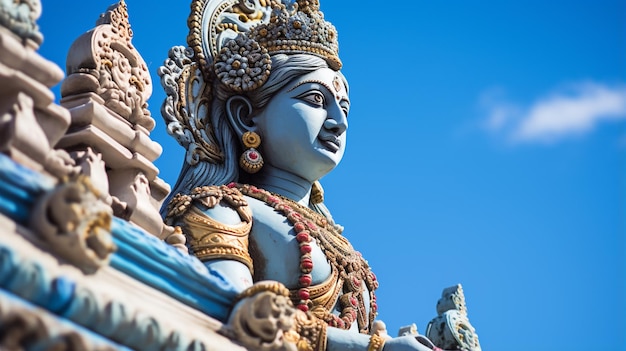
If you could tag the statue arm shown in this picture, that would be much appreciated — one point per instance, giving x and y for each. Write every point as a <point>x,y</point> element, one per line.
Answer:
<point>345,340</point>
<point>216,221</point>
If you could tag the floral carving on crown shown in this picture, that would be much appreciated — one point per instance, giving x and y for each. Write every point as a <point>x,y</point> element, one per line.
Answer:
<point>234,39</point>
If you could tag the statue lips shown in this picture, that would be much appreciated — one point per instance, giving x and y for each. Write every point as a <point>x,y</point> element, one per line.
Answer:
<point>330,142</point>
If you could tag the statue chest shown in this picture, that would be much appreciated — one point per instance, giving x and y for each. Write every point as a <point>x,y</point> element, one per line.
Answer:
<point>276,253</point>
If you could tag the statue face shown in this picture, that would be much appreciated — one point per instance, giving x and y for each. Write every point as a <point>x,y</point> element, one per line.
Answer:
<point>303,127</point>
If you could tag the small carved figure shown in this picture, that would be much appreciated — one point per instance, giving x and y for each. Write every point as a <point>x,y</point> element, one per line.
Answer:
<point>20,16</point>
<point>76,223</point>
<point>261,106</point>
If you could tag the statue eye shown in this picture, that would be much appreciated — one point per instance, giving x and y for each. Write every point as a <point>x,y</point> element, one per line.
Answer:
<point>313,97</point>
<point>345,107</point>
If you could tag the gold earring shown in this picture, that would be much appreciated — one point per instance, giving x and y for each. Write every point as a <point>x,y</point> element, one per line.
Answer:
<point>251,160</point>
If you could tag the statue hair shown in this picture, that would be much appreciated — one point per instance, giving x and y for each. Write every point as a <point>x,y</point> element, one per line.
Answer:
<point>285,68</point>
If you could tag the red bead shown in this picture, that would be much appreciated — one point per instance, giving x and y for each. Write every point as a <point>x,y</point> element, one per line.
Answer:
<point>304,294</point>
<point>232,185</point>
<point>373,277</point>
<point>307,264</point>
<point>353,301</point>
<point>303,308</point>
<point>305,249</point>
<point>374,307</point>
<point>303,237</point>
<point>305,280</point>
<point>311,225</point>
<point>299,227</point>
<point>272,199</point>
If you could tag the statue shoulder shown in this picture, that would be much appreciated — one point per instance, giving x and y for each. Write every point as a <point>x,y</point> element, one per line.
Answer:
<point>218,201</point>
<point>216,221</point>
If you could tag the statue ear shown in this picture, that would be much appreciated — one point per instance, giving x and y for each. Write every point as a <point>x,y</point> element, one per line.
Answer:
<point>239,112</point>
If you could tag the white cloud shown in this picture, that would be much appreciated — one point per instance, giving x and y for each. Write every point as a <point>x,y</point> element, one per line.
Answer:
<point>571,110</point>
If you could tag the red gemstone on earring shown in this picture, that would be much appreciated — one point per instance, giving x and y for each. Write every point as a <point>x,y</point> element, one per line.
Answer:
<point>253,155</point>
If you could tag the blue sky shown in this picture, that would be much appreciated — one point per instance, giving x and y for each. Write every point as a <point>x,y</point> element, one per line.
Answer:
<point>486,147</point>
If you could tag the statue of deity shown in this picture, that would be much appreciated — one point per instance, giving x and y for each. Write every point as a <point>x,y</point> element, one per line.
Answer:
<point>260,104</point>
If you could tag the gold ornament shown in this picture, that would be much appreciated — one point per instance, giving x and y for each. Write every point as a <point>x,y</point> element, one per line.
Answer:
<point>377,343</point>
<point>251,160</point>
<point>207,238</point>
<point>317,193</point>
<point>234,40</point>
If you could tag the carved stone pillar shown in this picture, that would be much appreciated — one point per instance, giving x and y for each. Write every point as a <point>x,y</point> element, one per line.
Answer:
<point>106,91</point>
<point>30,122</point>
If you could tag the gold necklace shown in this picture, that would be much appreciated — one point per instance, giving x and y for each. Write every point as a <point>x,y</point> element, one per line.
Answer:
<point>353,269</point>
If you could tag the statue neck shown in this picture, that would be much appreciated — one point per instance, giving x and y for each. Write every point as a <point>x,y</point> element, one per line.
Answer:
<point>283,183</point>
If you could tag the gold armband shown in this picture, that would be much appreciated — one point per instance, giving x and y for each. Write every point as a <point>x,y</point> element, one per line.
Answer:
<point>207,238</point>
<point>377,343</point>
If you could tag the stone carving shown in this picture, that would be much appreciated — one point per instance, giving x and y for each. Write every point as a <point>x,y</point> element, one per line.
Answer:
<point>20,17</point>
<point>265,322</point>
<point>185,111</point>
<point>106,91</point>
<point>22,137</point>
<point>76,223</point>
<point>18,125</point>
<point>90,164</point>
<point>33,277</point>
<point>30,123</point>
<point>451,329</point>
<point>24,329</point>
<point>270,68</point>
<point>104,61</point>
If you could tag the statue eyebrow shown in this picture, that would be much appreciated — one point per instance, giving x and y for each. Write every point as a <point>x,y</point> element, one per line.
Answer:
<point>313,81</point>
<point>322,84</point>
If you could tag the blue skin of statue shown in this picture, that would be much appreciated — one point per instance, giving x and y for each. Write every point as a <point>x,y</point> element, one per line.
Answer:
<point>303,131</point>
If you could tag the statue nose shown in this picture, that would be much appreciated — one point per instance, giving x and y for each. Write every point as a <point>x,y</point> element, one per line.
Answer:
<point>336,122</point>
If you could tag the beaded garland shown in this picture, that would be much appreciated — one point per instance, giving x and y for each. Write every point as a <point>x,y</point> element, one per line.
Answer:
<point>352,268</point>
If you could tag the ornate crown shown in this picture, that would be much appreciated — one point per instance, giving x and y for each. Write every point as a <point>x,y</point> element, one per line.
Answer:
<point>234,39</point>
